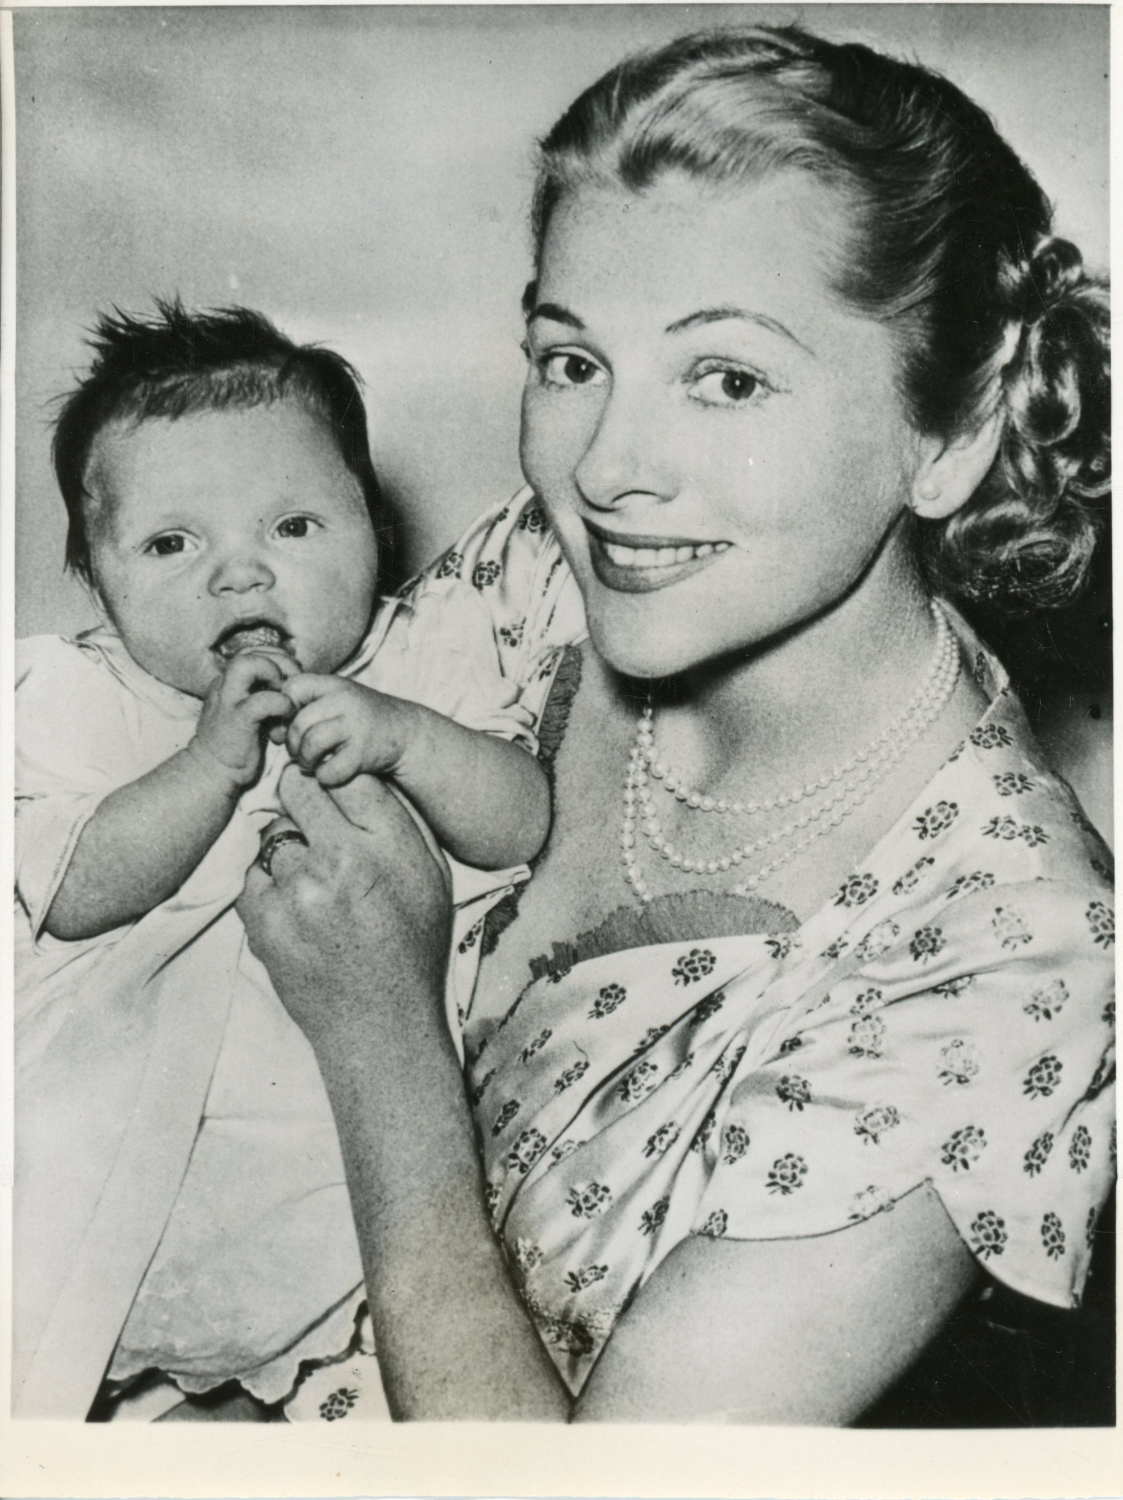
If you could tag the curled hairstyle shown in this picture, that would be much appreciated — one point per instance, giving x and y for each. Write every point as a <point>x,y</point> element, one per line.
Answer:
<point>950,246</point>
<point>178,362</point>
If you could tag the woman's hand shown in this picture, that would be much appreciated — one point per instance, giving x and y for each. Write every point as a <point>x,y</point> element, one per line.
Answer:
<point>361,914</point>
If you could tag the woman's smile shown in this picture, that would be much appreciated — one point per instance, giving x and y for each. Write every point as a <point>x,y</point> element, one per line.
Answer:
<point>639,564</point>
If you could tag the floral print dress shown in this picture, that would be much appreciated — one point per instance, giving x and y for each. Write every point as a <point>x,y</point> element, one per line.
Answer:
<point>947,1018</point>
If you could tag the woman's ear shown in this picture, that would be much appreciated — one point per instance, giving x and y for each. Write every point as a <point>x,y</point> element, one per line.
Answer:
<point>949,473</point>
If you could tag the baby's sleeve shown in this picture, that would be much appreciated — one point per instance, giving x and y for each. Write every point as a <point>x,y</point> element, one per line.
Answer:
<point>71,750</point>
<point>974,1052</point>
<point>478,635</point>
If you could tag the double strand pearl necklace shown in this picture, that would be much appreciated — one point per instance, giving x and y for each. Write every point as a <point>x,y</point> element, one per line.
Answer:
<point>858,777</point>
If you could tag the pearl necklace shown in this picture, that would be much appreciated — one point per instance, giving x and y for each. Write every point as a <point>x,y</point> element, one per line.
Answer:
<point>859,776</point>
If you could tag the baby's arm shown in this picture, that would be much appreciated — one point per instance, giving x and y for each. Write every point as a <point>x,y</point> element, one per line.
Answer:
<point>487,801</point>
<point>146,838</point>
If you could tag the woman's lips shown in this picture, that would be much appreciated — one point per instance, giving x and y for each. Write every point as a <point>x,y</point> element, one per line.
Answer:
<point>642,564</point>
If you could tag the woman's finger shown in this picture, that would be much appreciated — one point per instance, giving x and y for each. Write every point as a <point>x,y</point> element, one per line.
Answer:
<point>281,834</point>
<point>312,810</point>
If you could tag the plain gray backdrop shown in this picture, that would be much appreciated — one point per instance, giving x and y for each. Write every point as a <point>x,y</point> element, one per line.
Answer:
<point>362,175</point>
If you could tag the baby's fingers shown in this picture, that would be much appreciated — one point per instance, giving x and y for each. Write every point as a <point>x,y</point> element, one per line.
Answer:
<point>340,767</point>
<point>252,670</point>
<point>317,741</point>
<point>266,704</point>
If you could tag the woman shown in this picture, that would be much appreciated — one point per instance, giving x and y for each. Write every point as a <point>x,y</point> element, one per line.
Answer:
<point>760,1073</point>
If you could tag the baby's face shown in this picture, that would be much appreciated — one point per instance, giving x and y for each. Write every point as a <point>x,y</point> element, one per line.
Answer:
<point>223,529</point>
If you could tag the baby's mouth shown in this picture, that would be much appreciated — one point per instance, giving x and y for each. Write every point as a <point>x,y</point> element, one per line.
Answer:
<point>252,635</point>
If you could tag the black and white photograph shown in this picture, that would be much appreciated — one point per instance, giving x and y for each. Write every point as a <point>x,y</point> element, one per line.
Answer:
<point>562,717</point>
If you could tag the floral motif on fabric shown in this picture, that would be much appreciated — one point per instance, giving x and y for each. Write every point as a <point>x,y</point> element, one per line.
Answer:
<point>528,1147</point>
<point>571,1075</point>
<point>787,1174</point>
<point>662,1140</point>
<point>587,1276</point>
<point>707,1007</point>
<point>587,1201</point>
<point>990,737</point>
<point>793,1091</point>
<point>694,966</point>
<point>934,820</point>
<point>988,1234</point>
<point>870,1124</point>
<point>877,941</point>
<point>638,1082</point>
<point>505,1116</point>
<point>926,943</point>
<point>1038,1154</point>
<point>963,1148</point>
<point>536,1045</point>
<point>1012,783</point>
<point>484,574</point>
<point>1010,927</point>
<point>609,998</point>
<point>959,1062</point>
<point>716,1224</point>
<point>967,885</point>
<point>652,1218</point>
<point>450,565</point>
<point>857,890</point>
<point>1053,1236</point>
<point>871,1200</point>
<point>867,1037</point>
<point>1080,1149</point>
<point>1043,1077</point>
<point>912,876</point>
<point>1101,919</point>
<point>1047,1001</point>
<point>735,1143</point>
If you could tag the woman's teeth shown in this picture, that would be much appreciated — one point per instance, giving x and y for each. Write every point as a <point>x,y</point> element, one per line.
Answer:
<point>659,557</point>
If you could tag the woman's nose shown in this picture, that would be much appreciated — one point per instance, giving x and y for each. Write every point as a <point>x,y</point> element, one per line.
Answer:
<point>627,453</point>
<point>241,571</point>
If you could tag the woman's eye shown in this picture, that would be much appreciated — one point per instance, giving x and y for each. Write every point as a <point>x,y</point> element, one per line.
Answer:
<point>570,369</point>
<point>168,546</point>
<point>295,526</point>
<point>727,387</point>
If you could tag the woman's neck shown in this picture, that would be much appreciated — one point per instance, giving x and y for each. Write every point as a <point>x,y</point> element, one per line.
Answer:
<point>810,699</point>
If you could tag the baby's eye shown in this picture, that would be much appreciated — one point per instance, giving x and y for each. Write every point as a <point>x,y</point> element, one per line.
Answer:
<point>726,386</point>
<point>295,527</point>
<point>169,545</point>
<point>569,369</point>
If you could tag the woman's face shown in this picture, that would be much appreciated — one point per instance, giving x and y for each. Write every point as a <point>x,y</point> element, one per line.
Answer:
<point>718,440</point>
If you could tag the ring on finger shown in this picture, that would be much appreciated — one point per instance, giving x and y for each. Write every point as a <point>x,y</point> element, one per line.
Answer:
<point>273,842</point>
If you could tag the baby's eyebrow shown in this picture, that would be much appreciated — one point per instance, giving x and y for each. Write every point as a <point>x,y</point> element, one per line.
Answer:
<point>556,314</point>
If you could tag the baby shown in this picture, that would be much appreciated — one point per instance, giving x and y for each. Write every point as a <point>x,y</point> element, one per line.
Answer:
<point>179,1182</point>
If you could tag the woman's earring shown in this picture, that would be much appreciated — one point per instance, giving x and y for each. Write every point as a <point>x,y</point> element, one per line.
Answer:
<point>928,489</point>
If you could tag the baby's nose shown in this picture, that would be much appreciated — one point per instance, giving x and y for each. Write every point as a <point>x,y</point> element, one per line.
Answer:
<point>241,573</point>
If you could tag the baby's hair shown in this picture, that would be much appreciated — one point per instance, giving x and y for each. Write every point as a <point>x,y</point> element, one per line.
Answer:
<point>175,362</point>
<point>951,247</point>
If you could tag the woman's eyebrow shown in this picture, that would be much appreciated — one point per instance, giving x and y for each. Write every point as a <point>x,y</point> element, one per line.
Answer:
<point>556,314</point>
<point>720,314</point>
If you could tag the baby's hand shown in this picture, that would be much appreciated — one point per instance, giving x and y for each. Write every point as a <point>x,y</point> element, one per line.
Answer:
<point>341,728</point>
<point>248,693</point>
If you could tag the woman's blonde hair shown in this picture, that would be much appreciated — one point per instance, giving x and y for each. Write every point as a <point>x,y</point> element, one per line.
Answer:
<point>951,246</point>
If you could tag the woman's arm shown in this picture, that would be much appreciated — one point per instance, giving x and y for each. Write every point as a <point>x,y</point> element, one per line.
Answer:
<point>355,933</point>
<point>805,1331</point>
